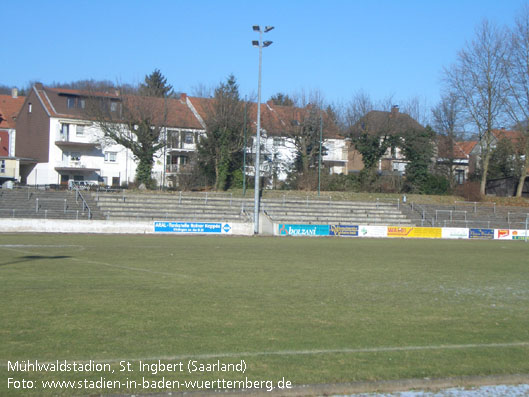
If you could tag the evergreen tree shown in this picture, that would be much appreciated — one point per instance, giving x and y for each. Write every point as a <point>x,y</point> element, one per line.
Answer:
<point>417,147</point>
<point>156,86</point>
<point>281,99</point>
<point>220,149</point>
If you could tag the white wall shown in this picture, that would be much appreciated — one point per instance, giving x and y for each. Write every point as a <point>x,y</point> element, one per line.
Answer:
<point>9,225</point>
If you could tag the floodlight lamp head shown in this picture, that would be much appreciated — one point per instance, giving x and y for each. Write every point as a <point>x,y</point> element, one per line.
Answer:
<point>255,43</point>
<point>267,43</point>
<point>257,28</point>
<point>268,28</point>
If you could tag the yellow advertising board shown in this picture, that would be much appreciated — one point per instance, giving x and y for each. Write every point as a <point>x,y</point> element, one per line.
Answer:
<point>414,232</point>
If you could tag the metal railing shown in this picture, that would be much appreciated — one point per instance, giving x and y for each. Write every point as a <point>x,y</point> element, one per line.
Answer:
<point>42,213</point>
<point>475,205</point>
<point>78,195</point>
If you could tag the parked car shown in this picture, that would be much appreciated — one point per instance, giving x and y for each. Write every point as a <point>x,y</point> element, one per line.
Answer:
<point>81,185</point>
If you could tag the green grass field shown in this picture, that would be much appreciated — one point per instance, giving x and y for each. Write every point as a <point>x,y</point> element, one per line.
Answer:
<point>309,310</point>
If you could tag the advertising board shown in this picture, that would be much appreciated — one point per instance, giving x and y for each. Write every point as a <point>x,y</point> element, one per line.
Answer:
<point>372,231</point>
<point>454,232</point>
<point>512,234</point>
<point>486,234</point>
<point>285,229</point>
<point>192,227</point>
<point>414,232</point>
<point>343,230</point>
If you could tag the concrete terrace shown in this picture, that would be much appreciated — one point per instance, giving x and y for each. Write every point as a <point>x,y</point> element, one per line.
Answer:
<point>218,207</point>
<point>42,203</point>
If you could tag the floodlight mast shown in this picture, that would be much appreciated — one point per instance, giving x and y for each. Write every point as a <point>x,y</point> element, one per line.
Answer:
<point>259,44</point>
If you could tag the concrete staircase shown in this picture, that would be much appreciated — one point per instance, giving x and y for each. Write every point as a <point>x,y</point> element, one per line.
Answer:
<point>468,214</point>
<point>44,204</point>
<point>175,207</point>
<point>211,207</point>
<point>334,212</point>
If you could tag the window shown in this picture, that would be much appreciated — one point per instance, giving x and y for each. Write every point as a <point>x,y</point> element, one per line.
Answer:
<point>279,141</point>
<point>73,102</point>
<point>110,157</point>
<point>188,138</point>
<point>75,156</point>
<point>172,139</point>
<point>113,106</point>
<point>79,131</point>
<point>30,107</point>
<point>2,166</point>
<point>65,130</point>
<point>460,177</point>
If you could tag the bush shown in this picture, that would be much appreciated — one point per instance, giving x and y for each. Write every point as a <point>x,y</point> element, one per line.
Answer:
<point>340,183</point>
<point>469,191</point>
<point>435,184</point>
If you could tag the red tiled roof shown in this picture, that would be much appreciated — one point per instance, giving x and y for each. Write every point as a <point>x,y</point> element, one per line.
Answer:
<point>467,146</point>
<point>70,91</point>
<point>513,136</point>
<point>9,109</point>
<point>275,120</point>
<point>394,122</point>
<point>178,113</point>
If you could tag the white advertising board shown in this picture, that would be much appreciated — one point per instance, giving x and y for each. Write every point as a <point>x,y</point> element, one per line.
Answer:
<point>454,232</point>
<point>372,231</point>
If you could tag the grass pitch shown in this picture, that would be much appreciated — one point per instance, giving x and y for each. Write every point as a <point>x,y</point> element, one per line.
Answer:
<point>307,310</point>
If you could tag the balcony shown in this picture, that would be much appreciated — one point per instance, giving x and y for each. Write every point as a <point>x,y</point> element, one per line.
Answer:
<point>64,141</point>
<point>74,166</point>
<point>178,169</point>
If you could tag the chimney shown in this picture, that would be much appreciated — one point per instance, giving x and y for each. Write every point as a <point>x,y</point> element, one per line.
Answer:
<point>14,93</point>
<point>395,109</point>
<point>183,97</point>
<point>39,86</point>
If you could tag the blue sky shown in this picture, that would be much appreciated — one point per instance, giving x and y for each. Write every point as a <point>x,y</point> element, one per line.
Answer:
<point>338,47</point>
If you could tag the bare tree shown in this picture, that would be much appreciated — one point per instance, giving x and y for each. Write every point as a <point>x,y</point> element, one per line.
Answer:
<point>304,123</point>
<point>517,73</point>
<point>359,105</point>
<point>202,91</point>
<point>478,79</point>
<point>418,109</point>
<point>135,122</point>
<point>448,124</point>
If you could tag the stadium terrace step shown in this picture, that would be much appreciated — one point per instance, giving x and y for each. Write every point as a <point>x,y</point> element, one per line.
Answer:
<point>43,204</point>
<point>471,215</point>
<point>213,207</point>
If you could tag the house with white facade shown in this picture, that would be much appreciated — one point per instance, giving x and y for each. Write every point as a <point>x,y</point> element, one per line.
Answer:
<point>279,128</point>
<point>60,143</point>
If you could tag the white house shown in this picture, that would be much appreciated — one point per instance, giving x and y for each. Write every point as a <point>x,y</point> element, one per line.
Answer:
<point>59,142</point>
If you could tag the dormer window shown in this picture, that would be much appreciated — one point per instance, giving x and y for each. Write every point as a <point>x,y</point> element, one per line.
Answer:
<point>74,102</point>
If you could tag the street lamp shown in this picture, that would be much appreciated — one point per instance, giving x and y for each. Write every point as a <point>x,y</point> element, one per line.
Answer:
<point>261,44</point>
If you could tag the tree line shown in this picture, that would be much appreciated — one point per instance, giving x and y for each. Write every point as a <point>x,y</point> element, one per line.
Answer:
<point>486,88</point>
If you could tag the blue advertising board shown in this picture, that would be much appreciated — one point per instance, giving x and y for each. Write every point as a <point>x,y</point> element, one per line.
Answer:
<point>303,230</point>
<point>487,234</point>
<point>192,227</point>
<point>343,230</point>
